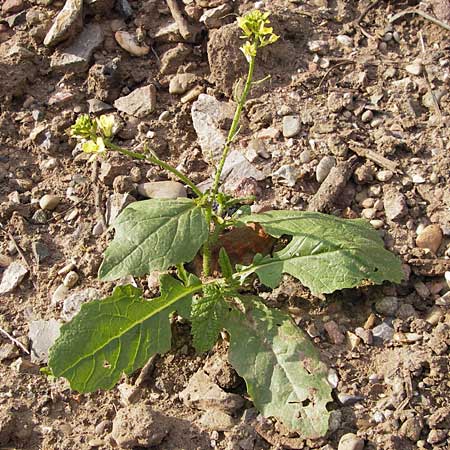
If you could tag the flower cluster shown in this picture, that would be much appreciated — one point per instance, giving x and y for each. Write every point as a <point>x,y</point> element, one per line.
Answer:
<point>93,133</point>
<point>258,34</point>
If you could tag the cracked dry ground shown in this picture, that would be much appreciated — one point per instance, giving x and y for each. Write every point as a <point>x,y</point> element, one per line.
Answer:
<point>356,102</point>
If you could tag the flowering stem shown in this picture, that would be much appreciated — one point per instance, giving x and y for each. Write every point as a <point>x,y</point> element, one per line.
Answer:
<point>155,160</point>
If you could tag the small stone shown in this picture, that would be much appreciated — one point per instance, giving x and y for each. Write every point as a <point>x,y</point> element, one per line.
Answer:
<point>97,106</point>
<point>406,311</point>
<point>384,175</point>
<point>181,82</point>
<point>77,57</point>
<point>165,115</point>
<point>67,22</point>
<point>40,251</point>
<point>305,156</point>
<point>344,40</point>
<point>12,6</point>
<point>430,238</point>
<point>383,331</point>
<point>139,426</point>
<point>286,174</point>
<point>213,420</point>
<point>99,228</point>
<point>213,18</point>
<point>428,99</point>
<point>43,335</point>
<point>291,126</point>
<point>140,103</point>
<point>129,394</point>
<point>72,304</point>
<point>377,224</point>
<point>162,189</point>
<point>440,418</point>
<point>12,277</point>
<point>324,167</point>
<point>202,393</point>
<point>49,202</point>
<point>59,294</point>
<point>350,441</point>
<point>434,315</point>
<point>334,333</point>
<point>71,279</point>
<point>436,436</point>
<point>367,116</point>
<point>129,43</point>
<point>365,335</point>
<point>192,94</point>
<point>353,340</point>
<point>8,351</point>
<point>174,58</point>
<point>123,184</point>
<point>414,69</point>
<point>115,204</point>
<point>394,204</point>
<point>124,8</point>
<point>387,306</point>
<point>39,217</point>
<point>369,213</point>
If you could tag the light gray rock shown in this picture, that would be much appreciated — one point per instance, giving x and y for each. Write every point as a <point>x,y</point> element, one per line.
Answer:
<point>411,428</point>
<point>77,57</point>
<point>237,168</point>
<point>394,204</point>
<point>116,204</point>
<point>286,174</point>
<point>71,279</point>
<point>12,277</point>
<point>181,82</point>
<point>59,294</point>
<point>387,306</point>
<point>129,43</point>
<point>66,23</point>
<point>213,420</point>
<point>162,189</point>
<point>42,334</point>
<point>350,442</point>
<point>213,18</point>
<point>73,302</point>
<point>208,115</point>
<point>202,393</point>
<point>324,167</point>
<point>291,126</point>
<point>140,103</point>
<point>383,331</point>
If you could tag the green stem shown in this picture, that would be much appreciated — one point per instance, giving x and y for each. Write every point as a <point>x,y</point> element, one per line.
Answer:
<point>213,235</point>
<point>155,160</point>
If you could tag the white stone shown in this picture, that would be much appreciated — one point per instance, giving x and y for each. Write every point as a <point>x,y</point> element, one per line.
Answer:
<point>12,277</point>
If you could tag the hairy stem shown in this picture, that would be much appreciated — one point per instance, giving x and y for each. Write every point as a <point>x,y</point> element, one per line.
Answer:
<point>213,235</point>
<point>155,160</point>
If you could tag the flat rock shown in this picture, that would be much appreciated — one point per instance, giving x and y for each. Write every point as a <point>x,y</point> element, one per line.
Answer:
<point>208,115</point>
<point>202,393</point>
<point>174,58</point>
<point>139,426</point>
<point>96,106</point>
<point>77,56</point>
<point>431,238</point>
<point>213,18</point>
<point>140,103</point>
<point>213,420</point>
<point>116,204</point>
<point>387,306</point>
<point>66,23</point>
<point>181,82</point>
<point>291,126</point>
<point>12,6</point>
<point>324,167</point>
<point>350,441</point>
<point>129,43</point>
<point>394,204</point>
<point>162,189</point>
<point>383,331</point>
<point>238,168</point>
<point>12,277</point>
<point>43,334</point>
<point>72,303</point>
<point>334,333</point>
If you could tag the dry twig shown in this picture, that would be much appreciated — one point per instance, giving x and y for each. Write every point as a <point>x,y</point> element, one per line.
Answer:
<point>419,13</point>
<point>14,341</point>
<point>373,156</point>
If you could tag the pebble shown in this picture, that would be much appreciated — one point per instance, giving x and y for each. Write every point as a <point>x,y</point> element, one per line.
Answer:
<point>129,43</point>
<point>192,94</point>
<point>367,116</point>
<point>387,306</point>
<point>384,175</point>
<point>383,331</point>
<point>42,334</point>
<point>39,217</point>
<point>394,204</point>
<point>96,106</point>
<point>344,40</point>
<point>213,18</point>
<point>99,228</point>
<point>305,156</point>
<point>213,420</point>
<point>291,126</point>
<point>12,277</point>
<point>59,294</point>
<point>369,213</point>
<point>162,189</point>
<point>12,6</point>
<point>139,103</point>
<point>78,55</point>
<point>40,251</point>
<point>430,238</point>
<point>49,202</point>
<point>414,69</point>
<point>324,167</point>
<point>365,335</point>
<point>350,441</point>
<point>377,224</point>
<point>334,333</point>
<point>66,23</point>
<point>405,311</point>
<point>286,174</point>
<point>436,436</point>
<point>165,115</point>
<point>181,82</point>
<point>71,279</point>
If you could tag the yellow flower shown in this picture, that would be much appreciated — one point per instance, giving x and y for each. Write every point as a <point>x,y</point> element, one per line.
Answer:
<point>96,148</point>
<point>249,50</point>
<point>106,124</point>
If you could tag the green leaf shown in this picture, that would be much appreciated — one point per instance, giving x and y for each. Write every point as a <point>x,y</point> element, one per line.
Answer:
<point>283,372</point>
<point>154,235</point>
<point>208,315</point>
<point>225,264</point>
<point>118,334</point>
<point>326,253</point>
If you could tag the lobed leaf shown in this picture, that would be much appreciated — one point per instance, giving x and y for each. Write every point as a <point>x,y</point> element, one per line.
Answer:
<point>154,235</point>
<point>326,253</point>
<point>118,334</point>
<point>283,372</point>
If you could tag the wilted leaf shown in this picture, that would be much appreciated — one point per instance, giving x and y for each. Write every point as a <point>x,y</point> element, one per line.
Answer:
<point>284,375</point>
<point>326,253</point>
<point>154,235</point>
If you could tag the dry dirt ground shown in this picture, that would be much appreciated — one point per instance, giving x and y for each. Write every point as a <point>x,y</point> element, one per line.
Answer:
<point>350,80</point>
